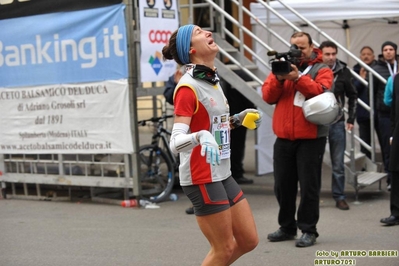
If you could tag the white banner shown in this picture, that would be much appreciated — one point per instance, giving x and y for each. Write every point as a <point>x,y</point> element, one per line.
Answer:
<point>158,20</point>
<point>66,118</point>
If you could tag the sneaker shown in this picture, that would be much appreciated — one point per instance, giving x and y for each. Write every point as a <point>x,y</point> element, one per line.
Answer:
<point>280,236</point>
<point>244,180</point>
<point>306,240</point>
<point>190,210</point>
<point>389,187</point>
<point>342,205</point>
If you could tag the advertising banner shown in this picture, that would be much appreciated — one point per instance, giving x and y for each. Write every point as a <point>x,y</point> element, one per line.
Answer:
<point>23,8</point>
<point>159,19</point>
<point>63,83</point>
<point>66,118</point>
<point>66,47</point>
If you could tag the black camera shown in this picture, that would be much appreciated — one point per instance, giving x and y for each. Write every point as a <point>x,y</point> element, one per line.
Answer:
<point>282,67</point>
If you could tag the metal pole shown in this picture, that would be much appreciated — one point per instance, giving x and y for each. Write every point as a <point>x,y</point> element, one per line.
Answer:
<point>191,12</point>
<point>133,37</point>
<point>371,100</point>
<point>240,32</point>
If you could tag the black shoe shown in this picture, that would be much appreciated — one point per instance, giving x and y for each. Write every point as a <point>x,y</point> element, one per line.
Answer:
<point>244,180</point>
<point>190,210</point>
<point>342,205</point>
<point>280,236</point>
<point>306,240</point>
<point>391,220</point>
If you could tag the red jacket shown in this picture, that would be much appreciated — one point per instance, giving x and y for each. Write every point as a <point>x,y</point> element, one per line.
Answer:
<point>288,119</point>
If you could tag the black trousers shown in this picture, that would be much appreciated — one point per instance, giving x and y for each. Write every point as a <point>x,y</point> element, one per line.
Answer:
<point>237,103</point>
<point>394,203</point>
<point>383,128</point>
<point>365,135</point>
<point>237,145</point>
<point>298,161</point>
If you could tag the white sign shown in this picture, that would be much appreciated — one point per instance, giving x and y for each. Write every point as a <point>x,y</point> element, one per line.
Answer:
<point>66,118</point>
<point>159,19</point>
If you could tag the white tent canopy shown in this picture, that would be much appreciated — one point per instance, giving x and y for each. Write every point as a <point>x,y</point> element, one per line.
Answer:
<point>368,22</point>
<point>330,10</point>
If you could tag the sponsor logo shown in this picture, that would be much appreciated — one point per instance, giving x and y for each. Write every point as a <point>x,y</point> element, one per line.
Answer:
<point>87,49</point>
<point>159,36</point>
<point>156,62</point>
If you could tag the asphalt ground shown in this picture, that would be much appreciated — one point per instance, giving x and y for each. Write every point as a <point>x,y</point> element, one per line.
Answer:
<point>82,232</point>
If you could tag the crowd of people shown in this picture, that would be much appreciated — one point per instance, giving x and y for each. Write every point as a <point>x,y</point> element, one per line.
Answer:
<point>209,136</point>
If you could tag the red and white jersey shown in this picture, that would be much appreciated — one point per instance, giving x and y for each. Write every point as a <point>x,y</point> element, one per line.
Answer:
<point>208,107</point>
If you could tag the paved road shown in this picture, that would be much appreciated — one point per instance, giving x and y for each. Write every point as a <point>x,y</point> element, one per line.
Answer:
<point>80,232</point>
<point>84,233</point>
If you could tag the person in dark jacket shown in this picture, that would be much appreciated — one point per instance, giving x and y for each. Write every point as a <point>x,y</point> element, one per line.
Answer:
<point>171,84</point>
<point>238,103</point>
<point>386,66</point>
<point>343,86</point>
<point>362,115</point>
<point>393,219</point>
<point>299,147</point>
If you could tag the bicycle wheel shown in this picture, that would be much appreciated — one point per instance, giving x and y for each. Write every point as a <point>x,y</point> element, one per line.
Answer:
<point>157,173</point>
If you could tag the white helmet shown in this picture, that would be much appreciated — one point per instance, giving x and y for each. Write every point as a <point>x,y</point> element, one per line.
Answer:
<point>322,109</point>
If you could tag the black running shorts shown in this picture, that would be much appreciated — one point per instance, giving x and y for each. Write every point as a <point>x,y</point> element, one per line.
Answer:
<point>214,197</point>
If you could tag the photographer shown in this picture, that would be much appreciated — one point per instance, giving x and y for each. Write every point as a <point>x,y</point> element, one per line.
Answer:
<point>300,144</point>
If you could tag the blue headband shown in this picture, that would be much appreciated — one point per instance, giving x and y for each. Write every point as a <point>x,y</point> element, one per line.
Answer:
<point>183,41</point>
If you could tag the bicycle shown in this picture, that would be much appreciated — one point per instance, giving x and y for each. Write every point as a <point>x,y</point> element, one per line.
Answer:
<point>158,163</point>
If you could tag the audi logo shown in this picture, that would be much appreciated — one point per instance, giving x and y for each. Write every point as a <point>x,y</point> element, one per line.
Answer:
<point>159,36</point>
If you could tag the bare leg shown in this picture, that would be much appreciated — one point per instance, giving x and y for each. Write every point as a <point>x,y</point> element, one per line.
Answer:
<point>231,234</point>
<point>244,230</point>
<point>218,230</point>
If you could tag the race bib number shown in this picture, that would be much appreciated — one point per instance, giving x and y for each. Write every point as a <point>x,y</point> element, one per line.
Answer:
<point>221,132</point>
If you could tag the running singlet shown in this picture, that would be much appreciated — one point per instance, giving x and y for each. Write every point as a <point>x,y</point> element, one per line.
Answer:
<point>211,113</point>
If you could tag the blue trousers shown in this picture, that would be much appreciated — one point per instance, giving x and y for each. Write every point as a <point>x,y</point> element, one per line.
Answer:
<point>298,161</point>
<point>337,144</point>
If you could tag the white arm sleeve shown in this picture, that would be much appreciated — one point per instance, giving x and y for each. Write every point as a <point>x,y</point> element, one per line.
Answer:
<point>181,141</point>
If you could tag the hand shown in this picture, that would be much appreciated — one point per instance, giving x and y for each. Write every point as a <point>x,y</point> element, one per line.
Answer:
<point>241,116</point>
<point>293,75</point>
<point>280,78</point>
<point>209,147</point>
<point>349,126</point>
<point>259,120</point>
<point>363,72</point>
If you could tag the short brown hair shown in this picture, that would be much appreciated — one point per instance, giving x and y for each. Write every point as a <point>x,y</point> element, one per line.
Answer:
<point>328,44</point>
<point>302,33</point>
<point>367,47</point>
